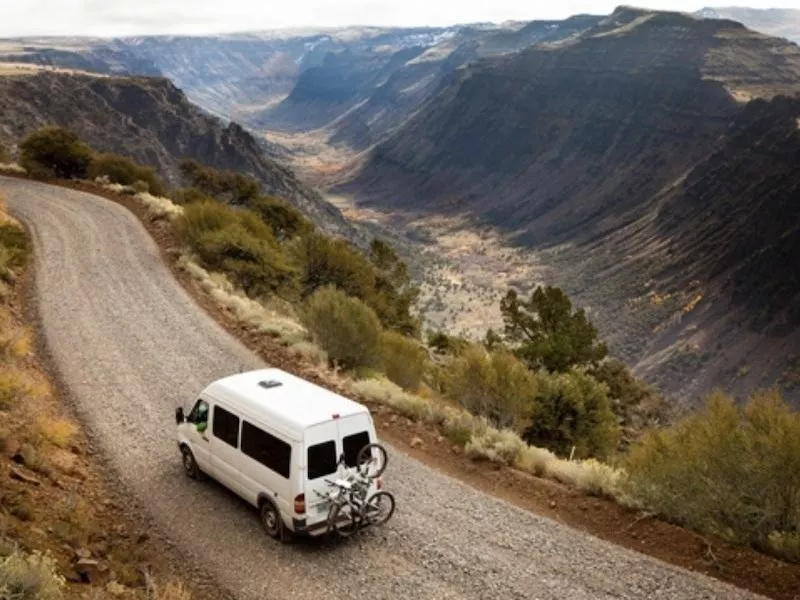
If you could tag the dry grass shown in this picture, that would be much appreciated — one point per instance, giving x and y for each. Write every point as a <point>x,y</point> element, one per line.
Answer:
<point>172,591</point>
<point>12,168</point>
<point>30,576</point>
<point>55,431</point>
<point>265,320</point>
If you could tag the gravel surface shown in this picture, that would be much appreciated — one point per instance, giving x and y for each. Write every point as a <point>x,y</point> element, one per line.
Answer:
<point>130,345</point>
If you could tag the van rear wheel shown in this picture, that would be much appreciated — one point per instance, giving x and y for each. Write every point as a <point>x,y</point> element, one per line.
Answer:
<point>271,520</point>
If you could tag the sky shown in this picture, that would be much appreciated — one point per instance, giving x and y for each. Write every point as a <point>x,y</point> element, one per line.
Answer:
<point>107,18</point>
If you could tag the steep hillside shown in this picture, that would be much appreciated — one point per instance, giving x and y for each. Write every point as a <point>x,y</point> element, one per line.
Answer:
<point>152,121</point>
<point>705,289</point>
<point>82,54</point>
<point>559,141</point>
<point>241,76</point>
<point>630,162</point>
<point>396,98</point>
<point>778,22</point>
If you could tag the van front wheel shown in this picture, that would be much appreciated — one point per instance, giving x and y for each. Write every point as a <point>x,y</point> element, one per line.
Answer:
<point>271,520</point>
<point>189,465</point>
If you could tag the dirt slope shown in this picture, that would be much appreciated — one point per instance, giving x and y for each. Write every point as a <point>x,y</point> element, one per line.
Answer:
<point>129,345</point>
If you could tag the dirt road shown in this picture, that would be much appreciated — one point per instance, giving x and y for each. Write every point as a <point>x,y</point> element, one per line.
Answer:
<point>130,345</point>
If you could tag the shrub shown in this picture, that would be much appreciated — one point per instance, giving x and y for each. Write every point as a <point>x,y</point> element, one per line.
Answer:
<point>535,460</point>
<point>125,171</point>
<point>285,221</point>
<point>11,389</point>
<point>58,432</point>
<point>346,328</point>
<point>189,195</point>
<point>500,446</point>
<point>591,476</point>
<point>572,410</point>
<point>732,471</point>
<point>403,360</point>
<point>30,577</point>
<point>494,385</point>
<point>327,261</point>
<point>5,155</point>
<point>55,151</point>
<point>238,243</point>
<point>225,186</point>
<point>14,250</point>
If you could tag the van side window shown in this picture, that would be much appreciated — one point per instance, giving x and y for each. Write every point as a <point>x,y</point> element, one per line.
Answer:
<point>351,444</point>
<point>266,449</point>
<point>226,426</point>
<point>321,459</point>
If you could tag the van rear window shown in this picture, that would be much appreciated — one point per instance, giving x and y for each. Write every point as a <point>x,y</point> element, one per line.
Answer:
<point>321,459</point>
<point>352,444</point>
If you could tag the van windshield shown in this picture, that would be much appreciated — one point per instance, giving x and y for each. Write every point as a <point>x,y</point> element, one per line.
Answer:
<point>321,459</point>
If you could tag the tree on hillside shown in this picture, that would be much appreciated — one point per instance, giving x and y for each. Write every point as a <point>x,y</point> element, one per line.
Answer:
<point>548,333</point>
<point>55,152</point>
<point>394,288</point>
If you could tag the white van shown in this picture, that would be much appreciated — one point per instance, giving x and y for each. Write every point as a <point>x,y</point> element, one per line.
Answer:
<point>273,438</point>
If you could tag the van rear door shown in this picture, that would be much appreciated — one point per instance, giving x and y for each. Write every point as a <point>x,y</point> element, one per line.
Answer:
<point>325,444</point>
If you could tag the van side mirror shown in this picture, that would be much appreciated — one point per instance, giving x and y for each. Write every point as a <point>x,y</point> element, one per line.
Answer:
<point>179,418</point>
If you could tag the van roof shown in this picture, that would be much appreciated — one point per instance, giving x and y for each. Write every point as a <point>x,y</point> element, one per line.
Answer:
<point>276,395</point>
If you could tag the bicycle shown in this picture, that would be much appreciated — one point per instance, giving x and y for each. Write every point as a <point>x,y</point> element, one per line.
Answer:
<point>351,510</point>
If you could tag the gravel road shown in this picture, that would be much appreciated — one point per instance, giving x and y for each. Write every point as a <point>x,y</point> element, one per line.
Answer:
<point>130,345</point>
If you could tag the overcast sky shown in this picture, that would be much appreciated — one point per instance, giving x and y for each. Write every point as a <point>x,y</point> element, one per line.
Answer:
<point>134,17</point>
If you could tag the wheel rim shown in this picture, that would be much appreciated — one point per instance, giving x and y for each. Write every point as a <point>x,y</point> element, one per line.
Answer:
<point>270,519</point>
<point>379,509</point>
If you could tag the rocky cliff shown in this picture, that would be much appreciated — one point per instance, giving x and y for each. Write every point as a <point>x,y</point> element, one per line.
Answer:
<point>651,163</point>
<point>150,120</point>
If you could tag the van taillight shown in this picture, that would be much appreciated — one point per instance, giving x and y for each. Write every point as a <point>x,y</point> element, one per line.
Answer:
<point>300,504</point>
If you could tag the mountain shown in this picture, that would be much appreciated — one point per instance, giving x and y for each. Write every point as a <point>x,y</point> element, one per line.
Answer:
<point>152,121</point>
<point>623,159</point>
<point>778,22</point>
<point>401,91</point>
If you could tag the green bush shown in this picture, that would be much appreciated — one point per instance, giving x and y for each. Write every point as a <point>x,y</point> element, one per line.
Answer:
<point>495,385</point>
<point>183,196</point>
<point>14,250</point>
<point>285,221</point>
<point>237,243</point>
<point>55,152</point>
<point>225,186</point>
<point>728,470</point>
<point>347,329</point>
<point>572,410</point>
<point>123,170</point>
<point>403,360</point>
<point>328,261</point>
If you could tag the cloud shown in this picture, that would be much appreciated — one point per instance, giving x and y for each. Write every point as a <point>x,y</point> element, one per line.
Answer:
<point>137,17</point>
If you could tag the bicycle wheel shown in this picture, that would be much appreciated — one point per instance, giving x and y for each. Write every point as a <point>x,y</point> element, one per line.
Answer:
<point>372,455</point>
<point>379,508</point>
<point>341,522</point>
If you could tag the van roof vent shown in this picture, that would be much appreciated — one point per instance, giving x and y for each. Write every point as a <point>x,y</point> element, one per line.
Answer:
<point>269,383</point>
